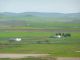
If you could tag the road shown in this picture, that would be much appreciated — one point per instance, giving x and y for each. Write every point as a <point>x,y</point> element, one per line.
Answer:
<point>68,58</point>
<point>22,55</point>
<point>36,55</point>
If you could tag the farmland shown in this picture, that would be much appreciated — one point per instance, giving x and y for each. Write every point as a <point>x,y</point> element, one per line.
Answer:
<point>35,32</point>
<point>38,42</point>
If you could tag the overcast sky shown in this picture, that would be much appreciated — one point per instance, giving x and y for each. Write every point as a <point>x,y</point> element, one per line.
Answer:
<point>58,6</point>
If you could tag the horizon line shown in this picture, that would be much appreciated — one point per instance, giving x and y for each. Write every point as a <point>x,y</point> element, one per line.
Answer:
<point>40,12</point>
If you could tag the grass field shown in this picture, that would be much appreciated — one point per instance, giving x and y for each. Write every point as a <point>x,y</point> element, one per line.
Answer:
<point>38,42</point>
<point>35,33</point>
<point>38,22</point>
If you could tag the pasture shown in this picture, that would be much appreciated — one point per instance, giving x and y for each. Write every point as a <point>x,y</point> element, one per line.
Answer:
<point>37,41</point>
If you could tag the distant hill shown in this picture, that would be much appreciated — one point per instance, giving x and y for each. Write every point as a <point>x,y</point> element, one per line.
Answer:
<point>41,14</point>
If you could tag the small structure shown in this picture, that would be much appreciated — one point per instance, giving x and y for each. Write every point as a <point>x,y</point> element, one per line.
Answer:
<point>60,35</point>
<point>18,39</point>
<point>15,39</point>
<point>63,35</point>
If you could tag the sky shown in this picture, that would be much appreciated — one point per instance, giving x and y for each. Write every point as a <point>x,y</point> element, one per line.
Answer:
<point>56,6</point>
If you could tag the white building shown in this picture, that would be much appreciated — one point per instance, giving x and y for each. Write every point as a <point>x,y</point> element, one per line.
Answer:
<point>15,39</point>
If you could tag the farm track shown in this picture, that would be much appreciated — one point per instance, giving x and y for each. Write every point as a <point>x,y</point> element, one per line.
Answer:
<point>68,58</point>
<point>45,56</point>
<point>22,55</point>
<point>39,30</point>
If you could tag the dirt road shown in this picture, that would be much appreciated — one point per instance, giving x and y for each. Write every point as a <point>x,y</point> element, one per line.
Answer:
<point>68,58</point>
<point>36,55</point>
<point>22,55</point>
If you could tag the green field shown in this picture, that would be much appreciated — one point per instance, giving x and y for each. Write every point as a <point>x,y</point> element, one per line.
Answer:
<point>40,43</point>
<point>35,32</point>
<point>38,22</point>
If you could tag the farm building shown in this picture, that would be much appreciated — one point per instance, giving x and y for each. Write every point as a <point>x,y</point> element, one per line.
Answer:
<point>15,39</point>
<point>60,35</point>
